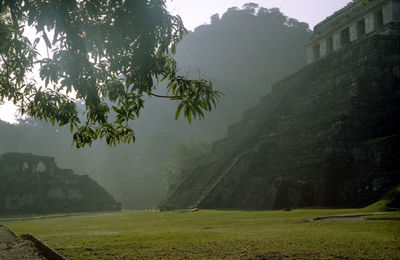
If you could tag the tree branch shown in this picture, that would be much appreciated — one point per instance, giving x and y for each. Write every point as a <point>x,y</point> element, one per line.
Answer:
<point>161,96</point>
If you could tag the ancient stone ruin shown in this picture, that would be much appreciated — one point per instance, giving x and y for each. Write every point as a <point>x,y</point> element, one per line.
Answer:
<point>34,184</point>
<point>328,135</point>
<point>353,23</point>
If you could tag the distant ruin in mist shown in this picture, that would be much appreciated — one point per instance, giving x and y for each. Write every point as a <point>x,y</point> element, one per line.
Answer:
<point>34,184</point>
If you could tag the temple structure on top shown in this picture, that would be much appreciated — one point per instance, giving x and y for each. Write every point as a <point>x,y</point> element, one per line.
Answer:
<point>353,23</point>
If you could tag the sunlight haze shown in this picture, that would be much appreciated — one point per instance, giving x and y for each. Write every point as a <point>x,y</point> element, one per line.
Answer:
<point>195,13</point>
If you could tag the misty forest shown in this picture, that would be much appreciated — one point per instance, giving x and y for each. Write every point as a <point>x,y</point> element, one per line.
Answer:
<point>253,136</point>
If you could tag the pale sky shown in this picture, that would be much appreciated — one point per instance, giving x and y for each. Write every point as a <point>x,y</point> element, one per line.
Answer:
<point>198,12</point>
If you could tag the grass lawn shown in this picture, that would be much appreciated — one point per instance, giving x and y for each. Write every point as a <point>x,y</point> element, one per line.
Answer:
<point>209,234</point>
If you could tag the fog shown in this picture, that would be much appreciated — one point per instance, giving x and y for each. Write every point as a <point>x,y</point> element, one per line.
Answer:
<point>242,52</point>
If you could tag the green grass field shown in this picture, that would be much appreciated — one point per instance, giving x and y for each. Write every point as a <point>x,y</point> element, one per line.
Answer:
<point>209,234</point>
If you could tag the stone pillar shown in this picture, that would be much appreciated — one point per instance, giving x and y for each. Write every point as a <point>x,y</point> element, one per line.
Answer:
<point>31,167</point>
<point>387,13</point>
<point>322,48</point>
<point>309,54</point>
<point>395,8</point>
<point>336,41</point>
<point>353,32</point>
<point>369,23</point>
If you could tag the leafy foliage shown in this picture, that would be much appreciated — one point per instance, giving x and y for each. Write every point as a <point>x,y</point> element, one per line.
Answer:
<point>364,2</point>
<point>110,54</point>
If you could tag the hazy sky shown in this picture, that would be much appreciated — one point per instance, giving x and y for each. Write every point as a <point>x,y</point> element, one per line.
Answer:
<point>198,12</point>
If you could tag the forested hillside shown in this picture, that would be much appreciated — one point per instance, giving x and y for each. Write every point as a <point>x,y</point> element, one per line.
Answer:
<point>243,53</point>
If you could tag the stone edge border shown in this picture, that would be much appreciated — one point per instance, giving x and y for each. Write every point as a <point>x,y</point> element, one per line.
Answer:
<point>342,216</point>
<point>44,250</point>
<point>9,230</point>
<point>67,215</point>
<point>361,215</point>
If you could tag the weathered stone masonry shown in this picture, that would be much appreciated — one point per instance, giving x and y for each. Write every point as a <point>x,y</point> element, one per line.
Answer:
<point>34,184</point>
<point>352,23</point>
<point>328,135</point>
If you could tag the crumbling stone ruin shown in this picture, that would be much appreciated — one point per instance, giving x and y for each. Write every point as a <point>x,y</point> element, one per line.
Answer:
<point>34,184</point>
<point>328,135</point>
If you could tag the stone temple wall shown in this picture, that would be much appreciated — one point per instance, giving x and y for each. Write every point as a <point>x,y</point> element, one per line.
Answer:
<point>352,23</point>
<point>331,142</point>
<point>327,135</point>
<point>34,184</point>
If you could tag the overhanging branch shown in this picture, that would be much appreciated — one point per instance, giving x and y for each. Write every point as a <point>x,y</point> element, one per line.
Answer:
<point>162,96</point>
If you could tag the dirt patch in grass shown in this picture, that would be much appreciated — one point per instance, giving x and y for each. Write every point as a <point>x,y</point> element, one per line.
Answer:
<point>12,248</point>
<point>19,249</point>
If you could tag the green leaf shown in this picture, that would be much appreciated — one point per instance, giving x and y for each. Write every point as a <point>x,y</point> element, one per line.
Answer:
<point>178,111</point>
<point>189,118</point>
<point>173,48</point>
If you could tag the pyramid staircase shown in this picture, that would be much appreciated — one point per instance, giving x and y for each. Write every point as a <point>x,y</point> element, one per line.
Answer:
<point>304,131</point>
